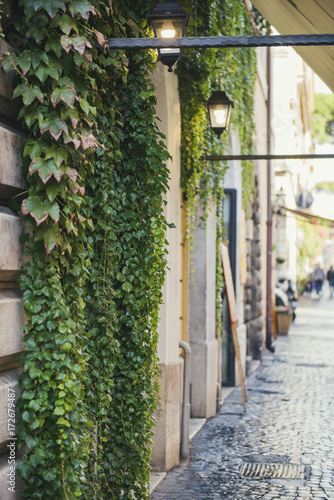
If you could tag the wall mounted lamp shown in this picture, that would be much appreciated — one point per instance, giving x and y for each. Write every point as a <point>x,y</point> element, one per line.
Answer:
<point>219,107</point>
<point>169,21</point>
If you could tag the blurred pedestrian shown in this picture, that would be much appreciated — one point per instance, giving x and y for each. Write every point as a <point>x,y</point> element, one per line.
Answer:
<point>330,279</point>
<point>318,277</point>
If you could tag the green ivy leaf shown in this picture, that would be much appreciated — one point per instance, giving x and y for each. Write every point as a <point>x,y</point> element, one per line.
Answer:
<point>82,7</point>
<point>24,469</point>
<point>51,6</point>
<point>34,372</point>
<point>9,62</point>
<point>127,287</point>
<point>35,405</point>
<point>43,71</point>
<point>66,24</point>
<point>29,93</point>
<point>55,126</point>
<point>50,475</point>
<point>31,116</point>
<point>50,235</point>
<point>66,94</point>
<point>24,62</point>
<point>59,410</point>
<point>53,189</point>
<point>87,108</point>
<point>34,149</point>
<point>62,421</point>
<point>37,56</point>
<point>27,416</point>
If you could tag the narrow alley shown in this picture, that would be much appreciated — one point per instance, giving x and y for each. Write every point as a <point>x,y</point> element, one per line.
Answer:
<point>282,447</point>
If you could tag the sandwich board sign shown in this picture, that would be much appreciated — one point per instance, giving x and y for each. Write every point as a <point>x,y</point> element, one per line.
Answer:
<point>233,313</point>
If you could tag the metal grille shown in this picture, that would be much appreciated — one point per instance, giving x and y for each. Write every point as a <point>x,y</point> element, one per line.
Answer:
<point>283,471</point>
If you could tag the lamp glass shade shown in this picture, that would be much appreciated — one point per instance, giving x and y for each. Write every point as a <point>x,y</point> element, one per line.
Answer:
<point>219,107</point>
<point>169,21</point>
<point>168,28</point>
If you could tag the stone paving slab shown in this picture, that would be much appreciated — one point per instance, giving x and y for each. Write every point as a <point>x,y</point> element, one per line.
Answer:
<point>289,420</point>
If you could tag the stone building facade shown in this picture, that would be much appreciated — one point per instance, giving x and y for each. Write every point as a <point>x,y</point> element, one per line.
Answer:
<point>11,305</point>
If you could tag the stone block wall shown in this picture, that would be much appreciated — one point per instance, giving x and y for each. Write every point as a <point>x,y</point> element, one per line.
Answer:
<point>255,274</point>
<point>12,316</point>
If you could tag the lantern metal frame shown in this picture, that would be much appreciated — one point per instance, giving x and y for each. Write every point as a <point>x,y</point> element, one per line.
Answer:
<point>220,99</point>
<point>172,14</point>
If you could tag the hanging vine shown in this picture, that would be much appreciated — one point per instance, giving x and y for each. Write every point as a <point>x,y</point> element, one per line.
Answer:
<point>199,73</point>
<point>95,165</point>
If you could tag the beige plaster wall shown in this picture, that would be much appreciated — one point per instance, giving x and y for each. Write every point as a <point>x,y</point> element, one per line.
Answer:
<point>166,451</point>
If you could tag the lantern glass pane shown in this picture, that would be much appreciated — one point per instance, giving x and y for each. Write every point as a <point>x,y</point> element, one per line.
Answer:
<point>219,115</point>
<point>168,28</point>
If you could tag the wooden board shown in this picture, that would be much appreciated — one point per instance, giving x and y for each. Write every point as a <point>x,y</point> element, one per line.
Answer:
<point>229,282</point>
<point>233,314</point>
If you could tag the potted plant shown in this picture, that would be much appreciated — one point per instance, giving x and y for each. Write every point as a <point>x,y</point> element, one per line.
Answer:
<point>284,316</point>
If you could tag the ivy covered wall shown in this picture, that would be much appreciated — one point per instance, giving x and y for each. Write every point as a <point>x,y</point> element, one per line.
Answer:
<point>95,167</point>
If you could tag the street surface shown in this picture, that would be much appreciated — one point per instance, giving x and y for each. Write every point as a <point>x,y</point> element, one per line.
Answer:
<point>282,447</point>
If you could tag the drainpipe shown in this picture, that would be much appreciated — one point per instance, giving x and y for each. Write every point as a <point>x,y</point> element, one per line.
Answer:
<point>186,400</point>
<point>269,322</point>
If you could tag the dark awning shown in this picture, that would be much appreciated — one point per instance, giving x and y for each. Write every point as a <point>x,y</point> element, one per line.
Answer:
<point>315,219</point>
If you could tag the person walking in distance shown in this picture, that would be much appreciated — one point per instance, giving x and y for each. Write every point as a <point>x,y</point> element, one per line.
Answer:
<point>318,277</point>
<point>330,279</point>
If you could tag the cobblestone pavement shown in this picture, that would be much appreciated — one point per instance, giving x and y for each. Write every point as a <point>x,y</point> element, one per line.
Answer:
<point>289,420</point>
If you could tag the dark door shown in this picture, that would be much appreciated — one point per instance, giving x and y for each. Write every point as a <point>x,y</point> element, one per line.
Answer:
<point>229,222</point>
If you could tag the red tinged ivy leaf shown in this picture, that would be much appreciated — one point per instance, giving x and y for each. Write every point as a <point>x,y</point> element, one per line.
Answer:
<point>76,142</point>
<point>66,43</point>
<point>72,173</point>
<point>55,126</point>
<point>29,93</point>
<point>45,169</point>
<point>40,210</point>
<point>88,141</point>
<point>71,114</point>
<point>101,39</point>
<point>66,94</point>
<point>80,44</point>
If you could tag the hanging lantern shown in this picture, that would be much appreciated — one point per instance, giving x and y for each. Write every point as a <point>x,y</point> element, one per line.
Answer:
<point>219,107</point>
<point>169,20</point>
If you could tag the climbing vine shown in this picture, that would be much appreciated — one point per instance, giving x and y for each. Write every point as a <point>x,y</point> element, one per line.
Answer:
<point>95,167</point>
<point>200,72</point>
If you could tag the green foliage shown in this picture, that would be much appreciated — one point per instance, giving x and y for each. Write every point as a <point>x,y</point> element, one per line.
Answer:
<point>310,245</point>
<point>199,72</point>
<point>323,119</point>
<point>325,186</point>
<point>96,174</point>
